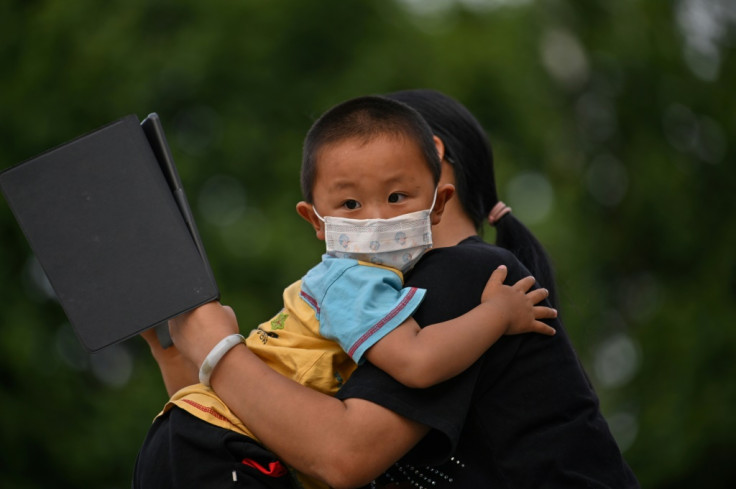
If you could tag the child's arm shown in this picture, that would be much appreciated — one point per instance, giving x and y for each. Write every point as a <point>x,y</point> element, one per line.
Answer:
<point>421,357</point>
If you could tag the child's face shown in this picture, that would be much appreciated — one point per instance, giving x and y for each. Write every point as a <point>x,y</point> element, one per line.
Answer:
<point>383,178</point>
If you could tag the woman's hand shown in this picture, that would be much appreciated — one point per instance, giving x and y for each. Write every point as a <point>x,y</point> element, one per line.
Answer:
<point>196,332</point>
<point>176,370</point>
<point>342,436</point>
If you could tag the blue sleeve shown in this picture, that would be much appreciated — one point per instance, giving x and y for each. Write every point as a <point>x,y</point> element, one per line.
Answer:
<point>358,305</point>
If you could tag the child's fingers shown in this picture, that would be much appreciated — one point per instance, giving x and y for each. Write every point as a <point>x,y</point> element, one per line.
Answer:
<point>542,312</point>
<point>524,284</point>
<point>499,275</point>
<point>495,282</point>
<point>537,295</point>
<point>542,328</point>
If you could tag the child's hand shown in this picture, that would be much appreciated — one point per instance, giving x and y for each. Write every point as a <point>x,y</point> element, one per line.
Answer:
<point>519,304</point>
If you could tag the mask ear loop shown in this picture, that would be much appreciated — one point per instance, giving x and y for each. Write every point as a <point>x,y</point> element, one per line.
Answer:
<point>314,209</point>
<point>434,199</point>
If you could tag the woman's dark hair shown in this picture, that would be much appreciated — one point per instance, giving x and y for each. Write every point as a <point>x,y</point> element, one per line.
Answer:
<point>469,152</point>
<point>366,118</point>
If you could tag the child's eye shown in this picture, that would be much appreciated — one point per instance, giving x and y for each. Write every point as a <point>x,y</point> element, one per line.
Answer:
<point>351,204</point>
<point>395,198</point>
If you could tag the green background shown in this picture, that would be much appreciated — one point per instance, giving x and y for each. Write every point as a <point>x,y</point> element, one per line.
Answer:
<point>612,124</point>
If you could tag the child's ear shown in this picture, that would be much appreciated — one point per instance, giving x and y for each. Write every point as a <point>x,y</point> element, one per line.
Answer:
<point>445,191</point>
<point>306,210</point>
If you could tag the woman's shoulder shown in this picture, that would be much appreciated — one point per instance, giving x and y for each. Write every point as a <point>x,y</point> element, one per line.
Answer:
<point>475,249</point>
<point>470,259</point>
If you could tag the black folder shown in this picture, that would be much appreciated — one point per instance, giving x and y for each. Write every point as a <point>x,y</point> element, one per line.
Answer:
<point>107,218</point>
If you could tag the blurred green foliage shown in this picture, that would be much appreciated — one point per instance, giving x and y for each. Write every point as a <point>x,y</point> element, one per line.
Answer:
<point>612,125</point>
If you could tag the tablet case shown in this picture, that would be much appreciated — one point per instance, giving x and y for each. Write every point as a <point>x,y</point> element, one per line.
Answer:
<point>107,218</point>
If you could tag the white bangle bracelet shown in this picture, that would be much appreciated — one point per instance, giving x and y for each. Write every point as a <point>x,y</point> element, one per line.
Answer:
<point>216,354</point>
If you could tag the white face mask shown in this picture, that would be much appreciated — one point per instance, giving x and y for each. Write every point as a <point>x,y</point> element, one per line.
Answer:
<point>398,242</point>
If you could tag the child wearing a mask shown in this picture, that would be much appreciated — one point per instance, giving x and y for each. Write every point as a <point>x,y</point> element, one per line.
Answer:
<point>370,179</point>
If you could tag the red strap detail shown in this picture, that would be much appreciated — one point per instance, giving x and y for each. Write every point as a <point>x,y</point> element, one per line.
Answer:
<point>274,469</point>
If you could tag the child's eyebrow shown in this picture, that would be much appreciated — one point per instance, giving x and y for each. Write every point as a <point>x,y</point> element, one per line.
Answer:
<point>401,179</point>
<point>342,185</point>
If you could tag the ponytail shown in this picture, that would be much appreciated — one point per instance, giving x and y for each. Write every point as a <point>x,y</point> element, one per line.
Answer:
<point>519,240</point>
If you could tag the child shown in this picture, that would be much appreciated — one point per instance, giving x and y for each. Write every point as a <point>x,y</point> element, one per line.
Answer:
<point>369,176</point>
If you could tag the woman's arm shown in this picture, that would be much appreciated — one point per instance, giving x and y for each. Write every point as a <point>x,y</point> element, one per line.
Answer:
<point>345,444</point>
<point>176,370</point>
<point>422,357</point>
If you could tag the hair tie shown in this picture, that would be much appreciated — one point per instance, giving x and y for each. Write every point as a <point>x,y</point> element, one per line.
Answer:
<point>499,210</point>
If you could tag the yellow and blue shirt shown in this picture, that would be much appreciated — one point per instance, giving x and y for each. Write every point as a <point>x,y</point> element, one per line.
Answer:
<point>339,309</point>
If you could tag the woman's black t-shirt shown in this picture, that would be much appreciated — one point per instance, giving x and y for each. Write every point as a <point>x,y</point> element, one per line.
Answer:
<point>523,416</point>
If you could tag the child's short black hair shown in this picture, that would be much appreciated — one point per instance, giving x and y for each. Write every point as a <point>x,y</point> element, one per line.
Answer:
<point>366,118</point>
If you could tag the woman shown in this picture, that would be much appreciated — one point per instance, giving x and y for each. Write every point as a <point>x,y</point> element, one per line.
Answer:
<point>524,415</point>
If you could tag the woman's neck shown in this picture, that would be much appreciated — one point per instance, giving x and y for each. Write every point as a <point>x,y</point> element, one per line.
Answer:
<point>454,227</point>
